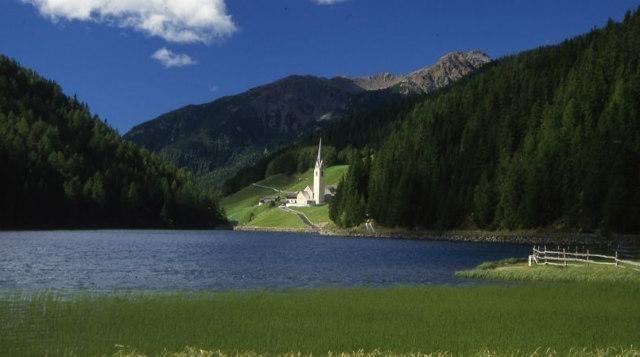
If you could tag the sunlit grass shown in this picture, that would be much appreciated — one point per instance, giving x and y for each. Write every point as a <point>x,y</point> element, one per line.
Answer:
<point>241,203</point>
<point>501,319</point>
<point>520,271</point>
<point>277,218</point>
<point>319,215</point>
<point>242,206</point>
<point>332,176</point>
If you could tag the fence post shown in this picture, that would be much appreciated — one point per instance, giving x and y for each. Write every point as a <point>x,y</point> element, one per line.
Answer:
<point>564,256</point>
<point>545,254</point>
<point>616,258</point>
<point>587,256</point>
<point>532,256</point>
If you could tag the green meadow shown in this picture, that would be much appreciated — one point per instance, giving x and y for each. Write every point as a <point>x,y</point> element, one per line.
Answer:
<point>459,320</point>
<point>243,208</point>
<point>319,215</point>
<point>276,218</point>
<point>520,271</point>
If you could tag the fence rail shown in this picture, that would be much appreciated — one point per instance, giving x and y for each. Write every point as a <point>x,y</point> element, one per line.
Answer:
<point>564,258</point>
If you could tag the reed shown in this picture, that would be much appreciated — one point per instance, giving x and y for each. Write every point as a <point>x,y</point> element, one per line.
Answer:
<point>584,352</point>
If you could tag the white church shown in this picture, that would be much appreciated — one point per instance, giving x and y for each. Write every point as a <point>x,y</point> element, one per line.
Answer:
<point>317,195</point>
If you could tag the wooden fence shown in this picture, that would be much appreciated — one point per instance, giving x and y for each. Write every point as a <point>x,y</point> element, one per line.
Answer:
<point>565,258</point>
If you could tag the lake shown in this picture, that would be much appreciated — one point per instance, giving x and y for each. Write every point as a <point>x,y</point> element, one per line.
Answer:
<point>223,260</point>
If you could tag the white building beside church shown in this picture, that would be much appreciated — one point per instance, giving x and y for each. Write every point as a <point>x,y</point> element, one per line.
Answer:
<point>319,193</point>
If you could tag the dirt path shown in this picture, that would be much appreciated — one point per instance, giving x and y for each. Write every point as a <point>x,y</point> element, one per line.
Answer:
<point>267,187</point>
<point>300,215</point>
<point>272,188</point>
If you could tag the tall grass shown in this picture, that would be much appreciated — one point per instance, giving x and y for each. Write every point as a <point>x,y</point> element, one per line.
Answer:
<point>402,320</point>
<point>583,352</point>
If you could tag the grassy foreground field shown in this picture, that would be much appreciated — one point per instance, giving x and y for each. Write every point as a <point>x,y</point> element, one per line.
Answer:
<point>242,205</point>
<point>501,319</point>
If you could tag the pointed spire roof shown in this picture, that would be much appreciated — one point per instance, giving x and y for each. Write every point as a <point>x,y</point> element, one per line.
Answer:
<point>319,159</point>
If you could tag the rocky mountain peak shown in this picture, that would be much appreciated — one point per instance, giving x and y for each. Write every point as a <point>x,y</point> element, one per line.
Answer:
<point>449,68</point>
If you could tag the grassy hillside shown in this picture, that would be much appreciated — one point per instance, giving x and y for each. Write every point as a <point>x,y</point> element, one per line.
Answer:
<point>243,208</point>
<point>277,218</point>
<point>319,215</point>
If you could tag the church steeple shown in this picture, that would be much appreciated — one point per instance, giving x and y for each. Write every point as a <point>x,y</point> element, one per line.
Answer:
<point>318,177</point>
<point>319,159</point>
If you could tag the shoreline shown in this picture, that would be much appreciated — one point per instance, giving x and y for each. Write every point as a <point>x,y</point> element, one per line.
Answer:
<point>507,237</point>
<point>226,227</point>
<point>514,237</point>
<point>517,270</point>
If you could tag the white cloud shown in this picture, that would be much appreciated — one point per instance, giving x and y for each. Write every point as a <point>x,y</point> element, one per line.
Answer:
<point>170,59</point>
<point>172,20</point>
<point>327,2</point>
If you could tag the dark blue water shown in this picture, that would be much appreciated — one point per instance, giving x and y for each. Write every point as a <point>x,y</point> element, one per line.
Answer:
<point>223,260</point>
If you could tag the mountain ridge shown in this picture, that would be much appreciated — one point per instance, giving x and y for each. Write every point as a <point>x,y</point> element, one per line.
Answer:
<point>218,137</point>
<point>428,78</point>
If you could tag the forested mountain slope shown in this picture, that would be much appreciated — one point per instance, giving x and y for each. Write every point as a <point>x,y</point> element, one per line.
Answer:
<point>342,139</point>
<point>549,137</point>
<point>62,167</point>
<point>217,138</point>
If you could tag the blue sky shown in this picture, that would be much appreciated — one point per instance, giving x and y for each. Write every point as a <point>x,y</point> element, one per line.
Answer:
<point>111,56</point>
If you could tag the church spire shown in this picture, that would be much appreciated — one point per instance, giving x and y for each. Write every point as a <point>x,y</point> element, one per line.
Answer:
<point>318,178</point>
<point>319,159</point>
